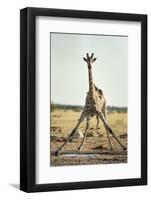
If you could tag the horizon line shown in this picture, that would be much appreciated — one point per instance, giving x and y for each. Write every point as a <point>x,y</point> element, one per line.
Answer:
<point>83,105</point>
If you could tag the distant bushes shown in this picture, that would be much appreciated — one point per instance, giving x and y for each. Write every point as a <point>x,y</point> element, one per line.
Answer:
<point>110,109</point>
<point>66,107</point>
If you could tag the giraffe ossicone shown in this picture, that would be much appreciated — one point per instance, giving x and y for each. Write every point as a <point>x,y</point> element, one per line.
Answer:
<point>95,105</point>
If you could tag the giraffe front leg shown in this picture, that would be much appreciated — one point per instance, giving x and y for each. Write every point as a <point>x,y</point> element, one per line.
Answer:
<point>85,133</point>
<point>110,143</point>
<point>111,146</point>
<point>71,134</point>
<point>108,136</point>
<point>110,130</point>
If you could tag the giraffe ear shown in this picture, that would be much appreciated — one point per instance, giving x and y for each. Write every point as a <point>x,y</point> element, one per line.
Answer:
<point>94,59</point>
<point>85,59</point>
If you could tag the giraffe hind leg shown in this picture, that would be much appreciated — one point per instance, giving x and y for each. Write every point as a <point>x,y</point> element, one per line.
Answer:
<point>70,135</point>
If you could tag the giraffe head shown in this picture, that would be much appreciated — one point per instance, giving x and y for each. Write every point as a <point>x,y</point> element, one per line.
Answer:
<point>89,60</point>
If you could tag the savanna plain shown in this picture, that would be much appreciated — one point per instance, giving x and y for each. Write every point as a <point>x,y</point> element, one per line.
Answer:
<point>96,146</point>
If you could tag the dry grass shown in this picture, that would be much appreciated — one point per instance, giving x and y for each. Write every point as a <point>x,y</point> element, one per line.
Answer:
<point>62,123</point>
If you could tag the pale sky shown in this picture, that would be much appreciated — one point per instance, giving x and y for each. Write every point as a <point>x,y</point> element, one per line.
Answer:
<point>69,73</point>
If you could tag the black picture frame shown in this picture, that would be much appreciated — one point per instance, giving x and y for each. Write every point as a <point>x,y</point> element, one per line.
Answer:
<point>28,99</point>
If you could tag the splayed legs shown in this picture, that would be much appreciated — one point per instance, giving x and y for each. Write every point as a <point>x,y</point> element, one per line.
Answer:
<point>110,130</point>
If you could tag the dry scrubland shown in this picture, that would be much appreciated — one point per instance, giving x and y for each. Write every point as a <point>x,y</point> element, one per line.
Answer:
<point>62,123</point>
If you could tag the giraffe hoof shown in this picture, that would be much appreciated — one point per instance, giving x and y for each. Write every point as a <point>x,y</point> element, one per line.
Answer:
<point>57,153</point>
<point>79,149</point>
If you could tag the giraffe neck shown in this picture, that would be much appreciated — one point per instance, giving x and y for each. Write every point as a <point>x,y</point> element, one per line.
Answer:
<point>91,85</point>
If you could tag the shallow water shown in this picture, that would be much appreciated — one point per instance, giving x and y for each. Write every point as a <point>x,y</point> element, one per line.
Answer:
<point>80,155</point>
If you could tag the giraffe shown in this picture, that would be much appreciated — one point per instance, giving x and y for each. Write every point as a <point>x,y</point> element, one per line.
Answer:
<point>95,106</point>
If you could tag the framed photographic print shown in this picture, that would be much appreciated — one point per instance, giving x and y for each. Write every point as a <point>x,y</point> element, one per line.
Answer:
<point>83,99</point>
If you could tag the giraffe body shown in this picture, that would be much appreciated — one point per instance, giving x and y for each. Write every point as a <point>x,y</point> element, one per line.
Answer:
<point>95,103</point>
